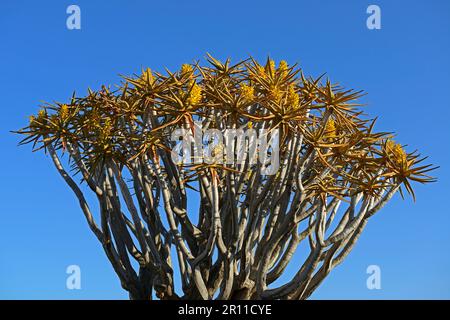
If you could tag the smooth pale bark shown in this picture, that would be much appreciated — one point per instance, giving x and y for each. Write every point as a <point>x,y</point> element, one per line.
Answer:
<point>248,228</point>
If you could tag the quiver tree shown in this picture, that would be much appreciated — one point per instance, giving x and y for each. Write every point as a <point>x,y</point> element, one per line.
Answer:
<point>242,226</point>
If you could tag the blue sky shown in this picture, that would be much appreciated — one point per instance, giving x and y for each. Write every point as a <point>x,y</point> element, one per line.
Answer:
<point>404,68</point>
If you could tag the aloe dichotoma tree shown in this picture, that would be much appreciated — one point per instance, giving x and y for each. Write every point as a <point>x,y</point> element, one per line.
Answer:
<point>334,173</point>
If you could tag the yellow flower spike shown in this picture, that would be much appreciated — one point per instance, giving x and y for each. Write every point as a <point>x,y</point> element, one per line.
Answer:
<point>261,71</point>
<point>248,92</point>
<point>400,153</point>
<point>330,129</point>
<point>275,94</point>
<point>250,125</point>
<point>195,96</point>
<point>396,152</point>
<point>41,114</point>
<point>31,120</point>
<point>272,66</point>
<point>293,97</point>
<point>186,68</point>
<point>105,131</point>
<point>390,144</point>
<point>283,67</point>
<point>64,112</point>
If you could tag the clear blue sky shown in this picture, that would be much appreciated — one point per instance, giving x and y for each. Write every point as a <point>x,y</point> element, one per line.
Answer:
<point>404,67</point>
